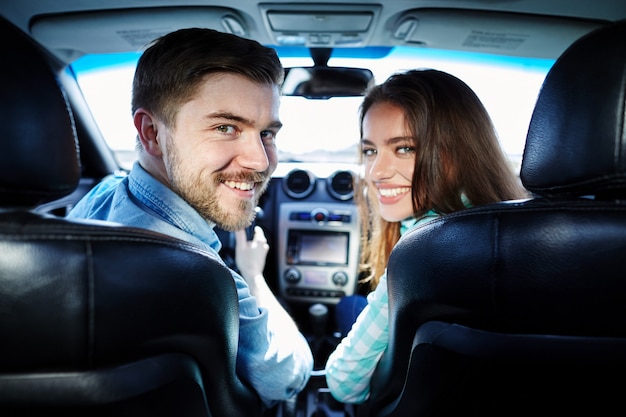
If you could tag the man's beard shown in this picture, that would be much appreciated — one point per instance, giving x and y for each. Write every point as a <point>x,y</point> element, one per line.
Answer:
<point>200,192</point>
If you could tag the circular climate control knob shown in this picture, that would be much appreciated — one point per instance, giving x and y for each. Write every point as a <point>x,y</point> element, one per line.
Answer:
<point>292,275</point>
<point>340,278</point>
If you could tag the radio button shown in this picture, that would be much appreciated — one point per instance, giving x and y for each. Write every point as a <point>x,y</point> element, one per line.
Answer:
<point>300,216</point>
<point>319,215</point>
<point>313,293</point>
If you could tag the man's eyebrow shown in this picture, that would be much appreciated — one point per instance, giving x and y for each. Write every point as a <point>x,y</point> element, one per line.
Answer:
<point>228,116</point>
<point>236,118</point>
<point>276,124</point>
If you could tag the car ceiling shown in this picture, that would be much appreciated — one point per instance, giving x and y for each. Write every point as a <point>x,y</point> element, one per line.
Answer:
<point>531,28</point>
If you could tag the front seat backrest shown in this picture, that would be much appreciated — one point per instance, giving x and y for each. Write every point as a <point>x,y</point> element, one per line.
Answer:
<point>98,319</point>
<point>519,308</point>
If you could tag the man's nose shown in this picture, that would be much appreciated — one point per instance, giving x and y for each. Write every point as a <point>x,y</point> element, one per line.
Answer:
<point>253,155</point>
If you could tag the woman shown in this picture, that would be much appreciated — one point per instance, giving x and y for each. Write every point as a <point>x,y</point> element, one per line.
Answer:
<point>428,148</point>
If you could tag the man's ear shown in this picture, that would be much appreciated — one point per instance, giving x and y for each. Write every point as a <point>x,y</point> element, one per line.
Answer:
<point>147,131</point>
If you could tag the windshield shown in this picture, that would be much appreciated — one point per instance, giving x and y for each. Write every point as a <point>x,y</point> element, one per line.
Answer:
<point>327,130</point>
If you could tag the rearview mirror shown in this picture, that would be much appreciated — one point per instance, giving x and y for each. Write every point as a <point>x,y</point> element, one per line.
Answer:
<point>323,82</point>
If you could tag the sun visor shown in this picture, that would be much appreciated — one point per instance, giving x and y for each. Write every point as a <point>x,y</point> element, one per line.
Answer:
<point>70,35</point>
<point>502,33</point>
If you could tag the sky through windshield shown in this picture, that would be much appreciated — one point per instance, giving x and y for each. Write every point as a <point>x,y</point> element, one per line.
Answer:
<point>327,130</point>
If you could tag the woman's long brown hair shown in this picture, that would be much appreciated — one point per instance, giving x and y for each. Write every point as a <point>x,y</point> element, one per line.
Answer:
<point>457,154</point>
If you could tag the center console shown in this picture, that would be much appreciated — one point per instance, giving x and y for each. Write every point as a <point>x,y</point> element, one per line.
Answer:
<point>318,251</point>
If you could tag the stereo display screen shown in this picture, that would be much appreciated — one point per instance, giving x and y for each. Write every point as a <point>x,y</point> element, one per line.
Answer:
<point>317,248</point>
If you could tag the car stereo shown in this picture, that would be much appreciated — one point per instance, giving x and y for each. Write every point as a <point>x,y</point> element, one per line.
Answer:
<point>318,251</point>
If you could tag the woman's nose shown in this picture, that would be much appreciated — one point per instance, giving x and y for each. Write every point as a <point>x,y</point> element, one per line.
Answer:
<point>380,167</point>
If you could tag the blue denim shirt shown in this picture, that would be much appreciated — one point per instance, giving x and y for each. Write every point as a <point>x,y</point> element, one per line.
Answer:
<point>276,363</point>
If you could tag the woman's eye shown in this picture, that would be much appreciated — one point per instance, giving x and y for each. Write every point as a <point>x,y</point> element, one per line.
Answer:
<point>406,150</point>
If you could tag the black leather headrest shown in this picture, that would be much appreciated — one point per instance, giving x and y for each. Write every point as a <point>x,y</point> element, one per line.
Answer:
<point>39,154</point>
<point>576,142</point>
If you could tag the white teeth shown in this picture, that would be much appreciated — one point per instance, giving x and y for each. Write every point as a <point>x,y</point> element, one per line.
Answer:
<point>392,192</point>
<point>246,186</point>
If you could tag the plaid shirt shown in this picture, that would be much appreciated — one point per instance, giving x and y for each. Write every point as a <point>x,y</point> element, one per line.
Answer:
<point>350,367</point>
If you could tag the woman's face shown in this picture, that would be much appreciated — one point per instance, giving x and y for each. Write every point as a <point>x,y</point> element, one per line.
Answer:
<point>388,155</point>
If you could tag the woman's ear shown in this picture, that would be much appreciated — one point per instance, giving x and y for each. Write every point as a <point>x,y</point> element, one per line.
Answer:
<point>148,132</point>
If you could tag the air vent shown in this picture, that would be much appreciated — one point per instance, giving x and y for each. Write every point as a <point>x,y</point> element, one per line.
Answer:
<point>340,185</point>
<point>299,183</point>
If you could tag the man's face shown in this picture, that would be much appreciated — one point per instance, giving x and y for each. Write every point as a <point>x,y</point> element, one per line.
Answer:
<point>222,152</point>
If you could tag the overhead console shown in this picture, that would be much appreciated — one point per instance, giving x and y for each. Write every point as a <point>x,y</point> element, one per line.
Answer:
<point>319,25</point>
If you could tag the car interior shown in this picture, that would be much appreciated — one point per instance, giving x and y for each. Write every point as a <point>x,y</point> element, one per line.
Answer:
<point>508,308</point>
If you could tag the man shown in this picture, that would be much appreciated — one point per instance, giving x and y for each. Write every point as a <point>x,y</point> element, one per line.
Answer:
<point>206,108</point>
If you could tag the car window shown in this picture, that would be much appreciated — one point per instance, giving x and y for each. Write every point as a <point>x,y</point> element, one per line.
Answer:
<point>327,130</point>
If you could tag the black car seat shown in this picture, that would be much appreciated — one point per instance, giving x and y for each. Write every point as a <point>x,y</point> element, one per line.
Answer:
<point>98,319</point>
<point>519,308</point>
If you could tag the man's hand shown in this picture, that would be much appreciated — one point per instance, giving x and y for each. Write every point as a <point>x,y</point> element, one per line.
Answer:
<point>250,255</point>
